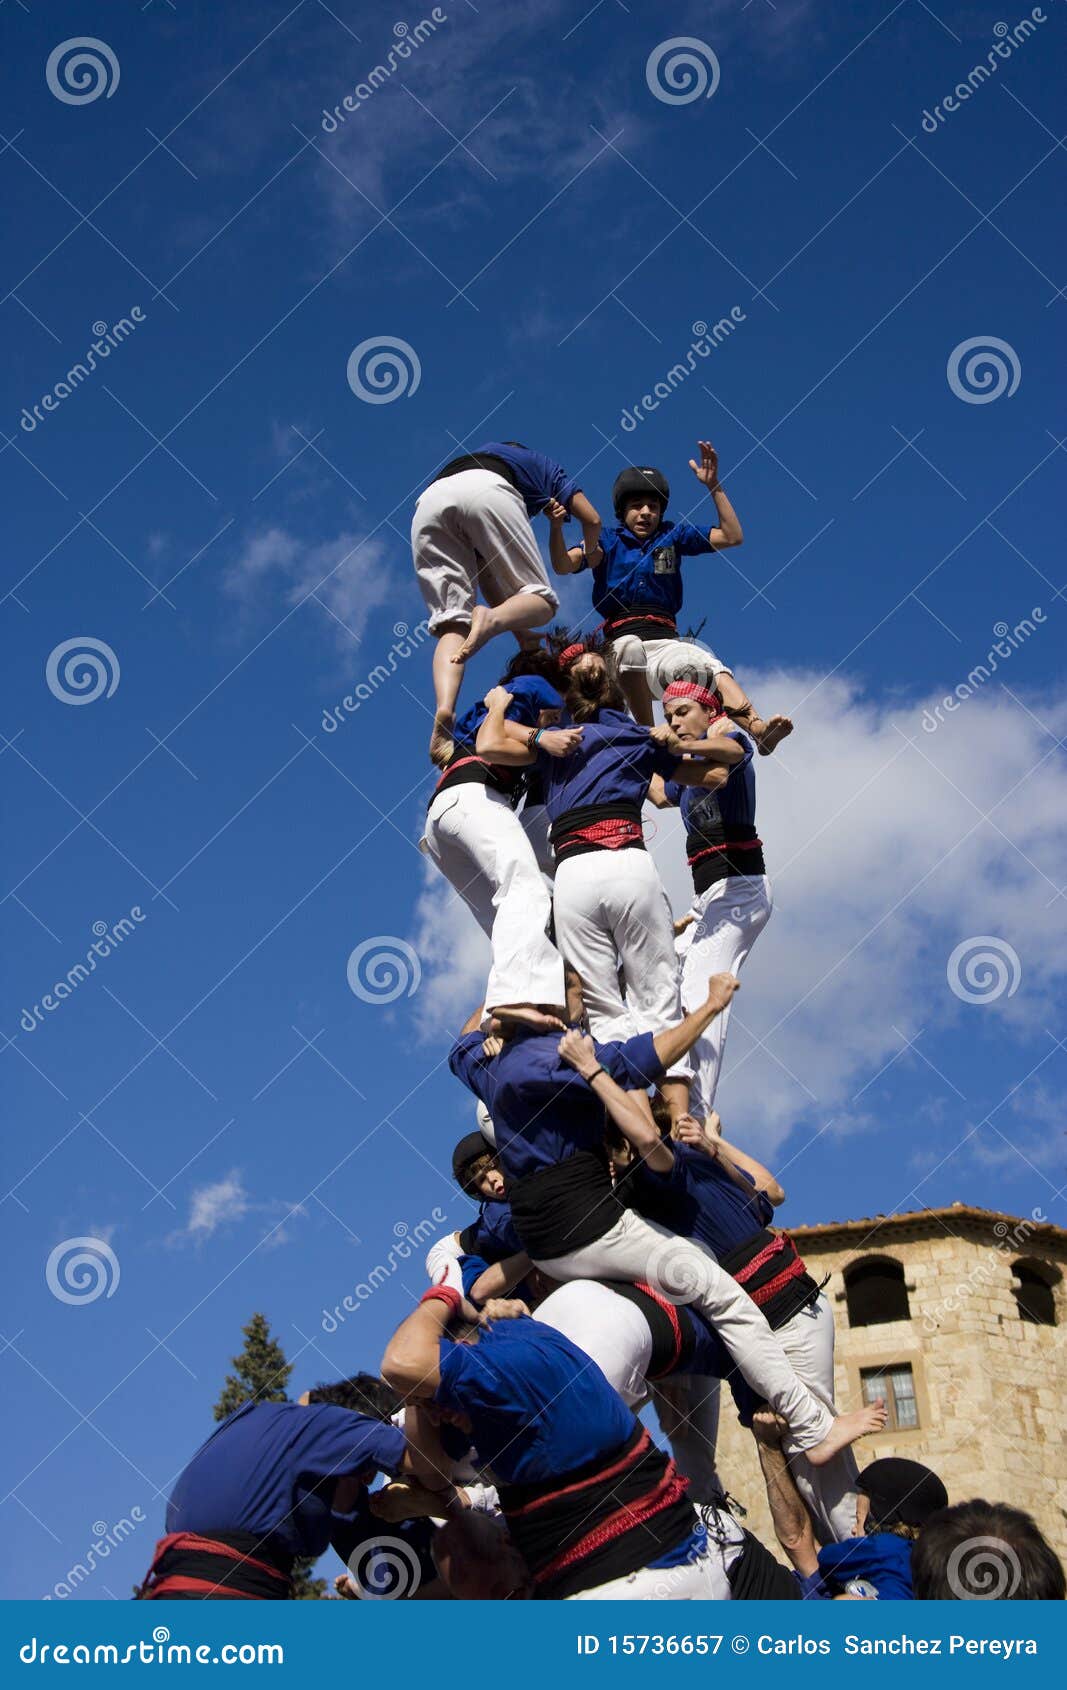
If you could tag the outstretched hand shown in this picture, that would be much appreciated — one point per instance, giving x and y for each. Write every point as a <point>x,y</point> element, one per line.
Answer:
<point>707,470</point>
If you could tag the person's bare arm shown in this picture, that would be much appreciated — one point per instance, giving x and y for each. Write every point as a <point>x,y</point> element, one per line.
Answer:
<point>425,1461</point>
<point>737,1163</point>
<point>473,1022</point>
<point>675,1042</point>
<point>790,1518</point>
<point>501,741</point>
<point>715,749</point>
<point>657,793</point>
<point>589,517</point>
<point>500,1277</point>
<point>728,531</point>
<point>411,1363</point>
<point>633,1121</point>
<point>565,560</point>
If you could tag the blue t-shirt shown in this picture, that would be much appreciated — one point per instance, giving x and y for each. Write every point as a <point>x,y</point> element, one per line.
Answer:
<point>530,695</point>
<point>260,1469</point>
<point>537,478</point>
<point>614,763</point>
<point>542,1109</point>
<point>492,1236</point>
<point>883,1559</point>
<point>698,1199</point>
<point>538,1407</point>
<point>636,575</point>
<point>707,814</point>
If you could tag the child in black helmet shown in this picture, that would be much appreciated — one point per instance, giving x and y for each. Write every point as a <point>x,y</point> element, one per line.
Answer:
<point>637,589</point>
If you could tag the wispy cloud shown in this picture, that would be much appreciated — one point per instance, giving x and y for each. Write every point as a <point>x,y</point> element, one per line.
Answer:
<point>347,578</point>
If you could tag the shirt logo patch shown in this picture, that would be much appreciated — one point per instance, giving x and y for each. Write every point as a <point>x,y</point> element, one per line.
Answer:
<point>663,560</point>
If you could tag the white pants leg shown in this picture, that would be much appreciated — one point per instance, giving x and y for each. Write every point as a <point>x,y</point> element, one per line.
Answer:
<point>474,837</point>
<point>731,916</point>
<point>471,531</point>
<point>684,1272</point>
<point>609,1329</point>
<point>612,912</point>
<point>535,824</point>
<point>687,1408</point>
<point>705,1579</point>
<point>829,1492</point>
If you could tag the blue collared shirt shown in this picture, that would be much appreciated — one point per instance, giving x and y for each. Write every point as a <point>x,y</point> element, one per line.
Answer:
<point>645,575</point>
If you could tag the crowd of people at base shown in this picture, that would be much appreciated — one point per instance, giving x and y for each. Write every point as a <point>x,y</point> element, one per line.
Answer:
<point>622,1252</point>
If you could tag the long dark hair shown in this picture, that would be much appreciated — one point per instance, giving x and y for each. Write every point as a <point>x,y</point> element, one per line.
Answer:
<point>591,690</point>
<point>540,661</point>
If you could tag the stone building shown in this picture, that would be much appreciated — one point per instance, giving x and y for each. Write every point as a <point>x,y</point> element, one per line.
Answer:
<point>958,1318</point>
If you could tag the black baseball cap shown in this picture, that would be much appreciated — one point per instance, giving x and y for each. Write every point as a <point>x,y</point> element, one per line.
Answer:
<point>901,1492</point>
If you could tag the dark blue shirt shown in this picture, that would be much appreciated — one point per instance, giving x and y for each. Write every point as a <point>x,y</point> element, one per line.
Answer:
<point>492,1236</point>
<point>636,575</point>
<point>538,1407</point>
<point>733,804</point>
<point>883,1559</point>
<point>613,764</point>
<point>698,1199</point>
<point>260,1469</point>
<point>542,1109</point>
<point>537,478</point>
<point>530,695</point>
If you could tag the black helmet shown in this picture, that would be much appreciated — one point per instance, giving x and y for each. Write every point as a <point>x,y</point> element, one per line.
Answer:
<point>467,1150</point>
<point>640,482</point>
<point>901,1491</point>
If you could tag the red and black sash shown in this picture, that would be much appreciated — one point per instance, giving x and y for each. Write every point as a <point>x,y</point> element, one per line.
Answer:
<point>227,1566</point>
<point>597,827</point>
<point>467,769</point>
<point>602,1521</point>
<point>669,1323</point>
<point>645,624</point>
<point>769,1268</point>
<point>740,851</point>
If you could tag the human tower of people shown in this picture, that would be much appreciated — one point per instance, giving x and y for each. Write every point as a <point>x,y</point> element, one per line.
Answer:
<point>622,1252</point>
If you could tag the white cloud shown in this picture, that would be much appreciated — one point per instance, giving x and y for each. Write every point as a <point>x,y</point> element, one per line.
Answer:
<point>343,580</point>
<point>212,1205</point>
<point>883,859</point>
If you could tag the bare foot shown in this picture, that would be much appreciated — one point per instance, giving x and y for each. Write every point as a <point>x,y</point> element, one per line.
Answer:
<point>442,744</point>
<point>772,734</point>
<point>530,1016</point>
<point>846,1429</point>
<point>482,629</point>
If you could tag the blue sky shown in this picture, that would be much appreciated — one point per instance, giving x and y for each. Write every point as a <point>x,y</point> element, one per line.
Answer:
<point>218,507</point>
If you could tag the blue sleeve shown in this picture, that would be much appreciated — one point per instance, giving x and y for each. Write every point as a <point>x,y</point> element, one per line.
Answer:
<point>746,745</point>
<point>692,542</point>
<point>453,1366</point>
<point>663,762</point>
<point>673,791</point>
<point>472,1268</point>
<point>530,695</point>
<point>812,1588</point>
<point>632,1063</point>
<point>468,1063</point>
<point>344,1442</point>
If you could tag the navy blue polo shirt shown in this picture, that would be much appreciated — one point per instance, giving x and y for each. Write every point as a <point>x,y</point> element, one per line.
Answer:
<point>614,763</point>
<point>538,1406</point>
<point>492,1236</point>
<point>732,805</point>
<point>698,1199</point>
<point>536,477</point>
<point>644,575</point>
<point>260,1469</point>
<point>542,1109</point>
<point>530,695</point>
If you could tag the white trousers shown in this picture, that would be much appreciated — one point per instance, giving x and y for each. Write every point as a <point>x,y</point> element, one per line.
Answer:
<point>612,912</point>
<point>477,841</point>
<point>687,1408</point>
<point>730,916</point>
<point>685,1273</point>
<point>668,660</point>
<point>471,533</point>
<point>703,1580</point>
<point>829,1492</point>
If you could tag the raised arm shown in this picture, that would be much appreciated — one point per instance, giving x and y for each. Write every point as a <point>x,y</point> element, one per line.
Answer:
<point>728,531</point>
<point>675,1042</point>
<point>738,1163</point>
<point>412,1360</point>
<point>790,1518</point>
<point>632,1119</point>
<point>495,742</point>
<point>566,560</point>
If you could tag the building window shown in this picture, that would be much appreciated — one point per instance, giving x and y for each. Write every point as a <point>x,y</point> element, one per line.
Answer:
<point>897,1386</point>
<point>1033,1292</point>
<point>875,1291</point>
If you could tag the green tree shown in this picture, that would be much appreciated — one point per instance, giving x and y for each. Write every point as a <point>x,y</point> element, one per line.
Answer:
<point>261,1374</point>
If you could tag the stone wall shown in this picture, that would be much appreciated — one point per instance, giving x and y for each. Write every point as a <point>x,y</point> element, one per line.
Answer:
<point>991,1388</point>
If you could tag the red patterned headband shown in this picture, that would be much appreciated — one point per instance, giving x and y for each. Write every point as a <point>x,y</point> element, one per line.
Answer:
<point>571,653</point>
<point>689,689</point>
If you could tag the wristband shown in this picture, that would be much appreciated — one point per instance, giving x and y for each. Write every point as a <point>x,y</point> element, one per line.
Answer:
<point>443,1294</point>
<point>589,1078</point>
<point>531,738</point>
<point>537,737</point>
